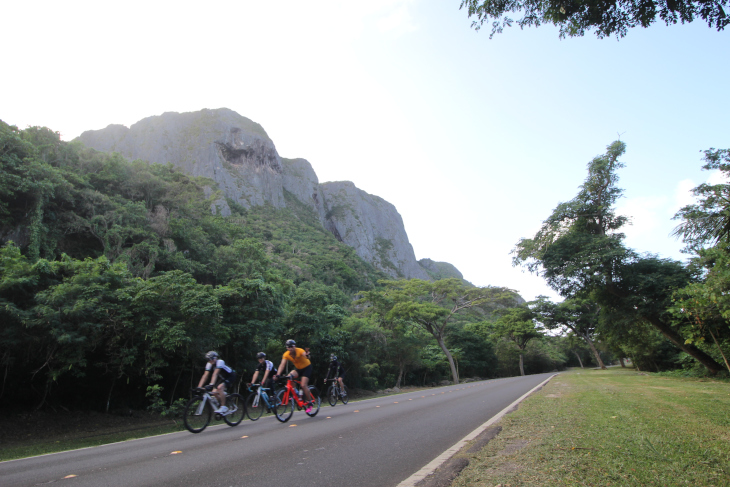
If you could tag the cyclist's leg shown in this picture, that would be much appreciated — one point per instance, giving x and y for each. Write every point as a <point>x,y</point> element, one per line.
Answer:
<point>305,375</point>
<point>220,393</point>
<point>342,385</point>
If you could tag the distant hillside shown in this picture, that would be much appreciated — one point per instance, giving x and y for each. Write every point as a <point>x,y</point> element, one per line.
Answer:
<point>442,270</point>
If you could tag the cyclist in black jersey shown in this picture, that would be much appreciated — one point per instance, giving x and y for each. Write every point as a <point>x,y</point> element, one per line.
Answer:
<point>266,369</point>
<point>337,370</point>
<point>223,377</point>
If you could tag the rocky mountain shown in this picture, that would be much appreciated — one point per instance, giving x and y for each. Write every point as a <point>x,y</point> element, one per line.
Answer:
<point>239,156</point>
<point>442,270</point>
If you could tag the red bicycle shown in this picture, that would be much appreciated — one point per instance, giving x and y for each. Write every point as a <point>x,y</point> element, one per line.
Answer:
<point>289,397</point>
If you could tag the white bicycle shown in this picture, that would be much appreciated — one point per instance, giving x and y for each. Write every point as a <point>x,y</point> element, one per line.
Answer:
<point>199,410</point>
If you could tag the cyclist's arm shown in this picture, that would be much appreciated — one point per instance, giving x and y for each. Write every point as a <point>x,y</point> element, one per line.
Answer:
<point>215,377</point>
<point>281,366</point>
<point>255,375</point>
<point>204,378</point>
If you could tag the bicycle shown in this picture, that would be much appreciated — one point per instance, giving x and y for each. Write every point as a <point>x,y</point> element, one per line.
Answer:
<point>289,396</point>
<point>257,402</point>
<point>335,392</point>
<point>199,410</point>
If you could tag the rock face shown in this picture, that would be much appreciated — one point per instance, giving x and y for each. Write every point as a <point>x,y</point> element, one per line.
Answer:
<point>239,156</point>
<point>373,227</point>
<point>219,144</point>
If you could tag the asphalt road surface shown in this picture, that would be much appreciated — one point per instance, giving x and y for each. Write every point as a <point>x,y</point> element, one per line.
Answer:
<point>373,443</point>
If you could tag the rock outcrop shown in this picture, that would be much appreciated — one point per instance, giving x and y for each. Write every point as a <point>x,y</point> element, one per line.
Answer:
<point>239,156</point>
<point>373,227</point>
<point>442,270</point>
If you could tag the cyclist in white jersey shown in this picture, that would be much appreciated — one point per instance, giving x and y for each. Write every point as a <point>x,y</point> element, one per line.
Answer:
<point>222,378</point>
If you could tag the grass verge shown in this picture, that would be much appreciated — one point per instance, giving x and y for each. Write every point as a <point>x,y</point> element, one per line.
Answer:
<point>38,434</point>
<point>613,427</point>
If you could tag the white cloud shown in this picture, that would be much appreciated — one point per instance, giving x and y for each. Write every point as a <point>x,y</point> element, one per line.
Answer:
<point>717,177</point>
<point>683,194</point>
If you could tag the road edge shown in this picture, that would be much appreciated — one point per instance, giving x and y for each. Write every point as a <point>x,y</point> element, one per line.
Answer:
<point>434,464</point>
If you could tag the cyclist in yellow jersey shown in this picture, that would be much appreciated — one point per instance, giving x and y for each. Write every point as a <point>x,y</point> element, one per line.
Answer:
<point>302,366</point>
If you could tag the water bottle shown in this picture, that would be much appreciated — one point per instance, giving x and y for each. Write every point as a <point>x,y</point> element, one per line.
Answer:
<point>299,393</point>
<point>214,401</point>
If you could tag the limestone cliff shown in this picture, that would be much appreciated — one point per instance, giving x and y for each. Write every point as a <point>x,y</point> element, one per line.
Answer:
<point>373,227</point>
<point>239,156</point>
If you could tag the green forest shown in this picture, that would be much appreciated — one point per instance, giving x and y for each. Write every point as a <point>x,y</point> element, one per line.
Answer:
<point>116,278</point>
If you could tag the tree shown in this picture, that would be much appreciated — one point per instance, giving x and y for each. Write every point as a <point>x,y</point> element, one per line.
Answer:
<point>432,305</point>
<point>707,221</point>
<point>703,308</point>
<point>578,315</point>
<point>579,251</point>
<point>575,17</point>
<point>517,325</point>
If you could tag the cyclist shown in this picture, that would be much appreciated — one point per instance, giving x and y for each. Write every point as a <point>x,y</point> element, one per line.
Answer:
<point>222,378</point>
<point>338,372</point>
<point>266,369</point>
<point>302,366</point>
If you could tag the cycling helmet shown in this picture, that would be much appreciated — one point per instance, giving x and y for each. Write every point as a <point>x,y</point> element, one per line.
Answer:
<point>211,355</point>
<point>260,355</point>
<point>290,343</point>
<point>333,357</point>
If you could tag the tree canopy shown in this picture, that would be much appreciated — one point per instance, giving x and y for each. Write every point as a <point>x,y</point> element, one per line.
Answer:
<point>579,250</point>
<point>575,17</point>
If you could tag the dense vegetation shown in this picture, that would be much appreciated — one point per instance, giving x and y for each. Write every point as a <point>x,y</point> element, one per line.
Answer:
<point>116,276</point>
<point>663,314</point>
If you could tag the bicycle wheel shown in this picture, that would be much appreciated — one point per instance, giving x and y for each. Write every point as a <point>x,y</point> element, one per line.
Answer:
<point>332,395</point>
<point>343,394</point>
<point>255,406</point>
<point>283,410</point>
<point>236,410</point>
<point>317,402</point>
<point>197,414</point>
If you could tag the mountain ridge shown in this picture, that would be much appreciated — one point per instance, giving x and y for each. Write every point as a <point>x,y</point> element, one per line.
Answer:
<point>241,158</point>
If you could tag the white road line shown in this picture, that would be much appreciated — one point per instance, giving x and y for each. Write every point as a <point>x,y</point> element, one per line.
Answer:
<point>439,460</point>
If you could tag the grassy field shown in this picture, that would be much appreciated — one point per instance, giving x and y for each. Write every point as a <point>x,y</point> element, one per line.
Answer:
<point>614,427</point>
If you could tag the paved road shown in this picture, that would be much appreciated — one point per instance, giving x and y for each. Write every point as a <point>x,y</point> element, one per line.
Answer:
<point>373,443</point>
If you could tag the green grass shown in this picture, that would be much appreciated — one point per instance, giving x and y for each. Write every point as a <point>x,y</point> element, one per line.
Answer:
<point>56,443</point>
<point>613,427</point>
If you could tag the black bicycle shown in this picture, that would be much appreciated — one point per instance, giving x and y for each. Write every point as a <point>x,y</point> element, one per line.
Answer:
<point>200,409</point>
<point>335,392</point>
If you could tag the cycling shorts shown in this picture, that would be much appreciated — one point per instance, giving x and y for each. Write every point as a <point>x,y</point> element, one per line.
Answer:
<point>305,372</point>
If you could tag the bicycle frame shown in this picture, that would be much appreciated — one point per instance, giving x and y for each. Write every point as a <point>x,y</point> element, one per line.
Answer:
<point>290,391</point>
<point>259,396</point>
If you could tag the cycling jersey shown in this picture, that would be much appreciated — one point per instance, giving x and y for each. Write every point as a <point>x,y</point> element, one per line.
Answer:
<point>225,371</point>
<point>299,359</point>
<point>336,369</point>
<point>262,367</point>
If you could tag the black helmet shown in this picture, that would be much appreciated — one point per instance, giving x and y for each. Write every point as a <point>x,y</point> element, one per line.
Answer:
<point>211,355</point>
<point>333,357</point>
<point>260,355</point>
<point>290,343</point>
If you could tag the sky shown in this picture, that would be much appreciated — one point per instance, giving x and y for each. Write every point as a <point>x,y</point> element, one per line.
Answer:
<point>474,140</point>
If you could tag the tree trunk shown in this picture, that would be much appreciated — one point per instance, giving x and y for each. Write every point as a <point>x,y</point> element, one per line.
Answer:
<point>710,364</point>
<point>621,359</point>
<point>522,366</point>
<point>595,352</point>
<point>720,349</point>
<point>400,375</point>
<point>109,396</point>
<point>579,360</point>
<point>454,373</point>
